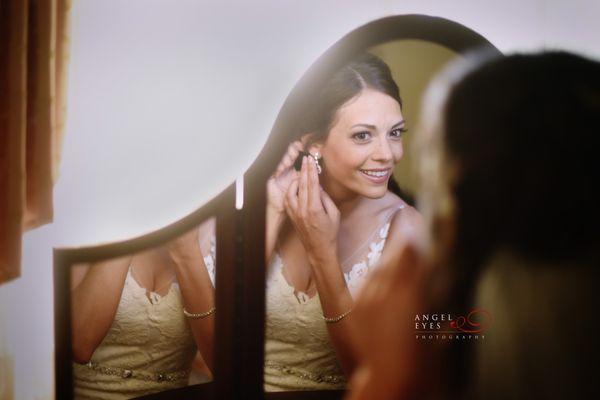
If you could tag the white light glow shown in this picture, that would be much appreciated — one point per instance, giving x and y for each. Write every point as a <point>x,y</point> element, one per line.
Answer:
<point>239,193</point>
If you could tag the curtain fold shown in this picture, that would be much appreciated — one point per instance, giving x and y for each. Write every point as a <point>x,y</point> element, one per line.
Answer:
<point>34,53</point>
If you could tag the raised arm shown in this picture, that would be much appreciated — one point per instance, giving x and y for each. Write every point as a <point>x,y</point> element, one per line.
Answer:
<point>316,220</point>
<point>277,187</point>
<point>95,295</point>
<point>196,288</point>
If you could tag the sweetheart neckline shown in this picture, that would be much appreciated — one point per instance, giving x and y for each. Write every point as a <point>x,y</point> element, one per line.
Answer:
<point>148,292</point>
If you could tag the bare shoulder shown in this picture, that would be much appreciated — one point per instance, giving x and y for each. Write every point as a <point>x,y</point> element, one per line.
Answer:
<point>406,220</point>
<point>80,270</point>
<point>405,225</point>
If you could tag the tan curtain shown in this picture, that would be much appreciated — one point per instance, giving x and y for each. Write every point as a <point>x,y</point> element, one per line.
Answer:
<point>34,46</point>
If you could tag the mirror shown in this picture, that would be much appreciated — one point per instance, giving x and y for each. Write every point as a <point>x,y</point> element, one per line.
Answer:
<point>413,64</point>
<point>356,146</point>
<point>297,354</point>
<point>141,323</point>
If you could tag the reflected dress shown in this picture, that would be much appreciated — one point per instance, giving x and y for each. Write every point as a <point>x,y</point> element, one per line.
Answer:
<point>298,351</point>
<point>148,348</point>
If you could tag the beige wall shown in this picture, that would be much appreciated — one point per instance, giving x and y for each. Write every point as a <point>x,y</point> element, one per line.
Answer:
<point>413,63</point>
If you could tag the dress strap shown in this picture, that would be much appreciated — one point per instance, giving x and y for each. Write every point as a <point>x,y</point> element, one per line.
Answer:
<point>357,273</point>
<point>376,235</point>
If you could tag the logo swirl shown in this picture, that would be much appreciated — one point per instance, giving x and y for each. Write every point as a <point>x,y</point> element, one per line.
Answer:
<point>476,321</point>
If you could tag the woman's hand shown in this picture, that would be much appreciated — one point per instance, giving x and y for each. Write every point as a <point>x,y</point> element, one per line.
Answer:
<point>314,215</point>
<point>280,181</point>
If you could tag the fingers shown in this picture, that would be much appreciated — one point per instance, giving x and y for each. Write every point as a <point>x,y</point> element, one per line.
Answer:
<point>314,189</point>
<point>289,158</point>
<point>291,198</point>
<point>330,207</point>
<point>303,188</point>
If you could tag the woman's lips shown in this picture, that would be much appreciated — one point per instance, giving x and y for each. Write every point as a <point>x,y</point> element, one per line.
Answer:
<point>377,176</point>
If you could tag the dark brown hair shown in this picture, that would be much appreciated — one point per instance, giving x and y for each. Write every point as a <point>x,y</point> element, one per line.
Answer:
<point>524,132</point>
<point>365,71</point>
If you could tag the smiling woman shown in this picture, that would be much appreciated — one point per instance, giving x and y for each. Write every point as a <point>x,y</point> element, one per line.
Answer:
<point>364,145</point>
<point>324,235</point>
<point>328,224</point>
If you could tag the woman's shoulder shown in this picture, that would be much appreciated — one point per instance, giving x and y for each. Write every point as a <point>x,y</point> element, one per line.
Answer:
<point>404,219</point>
<point>394,205</point>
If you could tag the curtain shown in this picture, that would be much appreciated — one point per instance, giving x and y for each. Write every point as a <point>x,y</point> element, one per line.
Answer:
<point>34,46</point>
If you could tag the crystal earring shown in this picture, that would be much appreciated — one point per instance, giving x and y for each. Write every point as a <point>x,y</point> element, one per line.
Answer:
<point>317,157</point>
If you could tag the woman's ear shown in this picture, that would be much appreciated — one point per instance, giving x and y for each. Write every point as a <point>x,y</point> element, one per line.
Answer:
<point>310,145</point>
<point>315,148</point>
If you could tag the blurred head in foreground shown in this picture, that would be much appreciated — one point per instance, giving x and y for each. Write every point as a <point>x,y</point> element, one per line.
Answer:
<point>508,152</point>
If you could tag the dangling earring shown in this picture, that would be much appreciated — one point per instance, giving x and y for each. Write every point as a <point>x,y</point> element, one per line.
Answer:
<point>317,157</point>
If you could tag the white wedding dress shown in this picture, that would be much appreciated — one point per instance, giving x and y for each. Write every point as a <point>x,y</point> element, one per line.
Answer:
<point>298,352</point>
<point>149,347</point>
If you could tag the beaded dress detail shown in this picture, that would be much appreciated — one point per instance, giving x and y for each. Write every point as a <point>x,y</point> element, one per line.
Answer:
<point>298,351</point>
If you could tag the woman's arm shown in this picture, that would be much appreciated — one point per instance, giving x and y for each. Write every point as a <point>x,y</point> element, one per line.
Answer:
<point>95,295</point>
<point>275,221</point>
<point>277,187</point>
<point>336,301</point>
<point>196,289</point>
<point>316,220</point>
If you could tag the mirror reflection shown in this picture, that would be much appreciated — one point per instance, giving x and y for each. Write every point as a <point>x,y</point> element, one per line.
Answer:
<point>336,210</point>
<point>144,322</point>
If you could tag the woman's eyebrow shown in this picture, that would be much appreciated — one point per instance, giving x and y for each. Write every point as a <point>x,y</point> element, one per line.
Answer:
<point>369,126</point>
<point>398,124</point>
<point>363,125</point>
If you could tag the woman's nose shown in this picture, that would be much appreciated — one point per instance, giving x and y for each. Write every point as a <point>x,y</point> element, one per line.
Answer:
<point>383,152</point>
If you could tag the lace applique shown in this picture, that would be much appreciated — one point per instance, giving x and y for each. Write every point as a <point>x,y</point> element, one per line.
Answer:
<point>149,347</point>
<point>298,351</point>
<point>210,259</point>
<point>279,278</point>
<point>354,278</point>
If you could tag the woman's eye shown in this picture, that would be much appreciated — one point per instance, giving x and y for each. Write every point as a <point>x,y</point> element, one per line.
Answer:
<point>361,136</point>
<point>397,133</point>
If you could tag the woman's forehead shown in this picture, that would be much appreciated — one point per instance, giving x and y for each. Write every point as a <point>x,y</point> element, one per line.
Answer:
<point>370,107</point>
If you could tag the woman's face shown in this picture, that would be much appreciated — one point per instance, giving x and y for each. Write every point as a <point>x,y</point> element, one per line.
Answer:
<point>363,146</point>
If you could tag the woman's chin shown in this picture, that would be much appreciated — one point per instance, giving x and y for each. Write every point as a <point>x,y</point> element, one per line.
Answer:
<point>375,192</point>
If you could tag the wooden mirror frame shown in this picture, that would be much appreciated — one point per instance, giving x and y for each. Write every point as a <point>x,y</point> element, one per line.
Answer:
<point>240,271</point>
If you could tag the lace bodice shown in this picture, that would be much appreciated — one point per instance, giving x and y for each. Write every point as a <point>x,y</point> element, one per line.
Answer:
<point>149,346</point>
<point>298,352</point>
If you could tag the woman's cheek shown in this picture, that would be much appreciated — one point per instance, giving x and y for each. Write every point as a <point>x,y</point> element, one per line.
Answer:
<point>397,151</point>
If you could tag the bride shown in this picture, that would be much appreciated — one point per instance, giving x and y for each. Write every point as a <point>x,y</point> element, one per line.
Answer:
<point>129,327</point>
<point>331,219</point>
<point>330,223</point>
